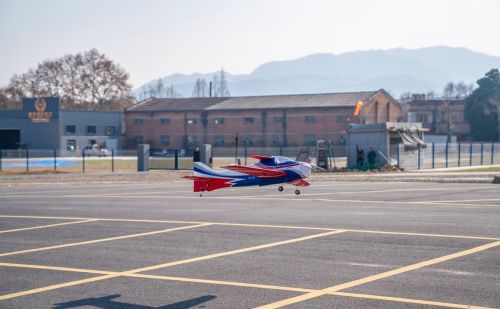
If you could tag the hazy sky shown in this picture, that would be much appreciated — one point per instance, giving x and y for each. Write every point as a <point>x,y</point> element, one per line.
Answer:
<point>152,38</point>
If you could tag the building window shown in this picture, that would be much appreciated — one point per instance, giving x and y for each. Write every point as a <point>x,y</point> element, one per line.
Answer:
<point>92,142</point>
<point>71,145</point>
<point>219,140</point>
<point>192,140</point>
<point>276,140</point>
<point>343,118</point>
<point>138,122</point>
<point>310,119</point>
<point>310,139</point>
<point>191,121</point>
<point>110,130</point>
<point>70,130</point>
<point>278,119</point>
<point>165,140</point>
<point>219,121</point>
<point>139,139</point>
<point>248,120</point>
<point>165,121</point>
<point>247,140</point>
<point>91,130</point>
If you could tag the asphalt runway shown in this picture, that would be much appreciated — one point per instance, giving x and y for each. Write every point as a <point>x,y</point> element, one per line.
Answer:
<point>337,245</point>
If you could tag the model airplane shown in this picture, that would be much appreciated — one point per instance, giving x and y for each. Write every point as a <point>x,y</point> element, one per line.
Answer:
<point>268,171</point>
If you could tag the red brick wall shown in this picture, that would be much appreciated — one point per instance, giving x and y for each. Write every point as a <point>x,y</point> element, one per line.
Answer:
<point>330,123</point>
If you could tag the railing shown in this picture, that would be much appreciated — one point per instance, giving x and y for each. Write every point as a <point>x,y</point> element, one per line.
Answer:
<point>57,161</point>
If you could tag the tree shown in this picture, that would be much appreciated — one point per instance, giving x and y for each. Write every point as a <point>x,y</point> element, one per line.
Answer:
<point>82,80</point>
<point>482,108</point>
<point>405,96</point>
<point>461,90</point>
<point>430,94</point>
<point>219,84</point>
<point>200,88</point>
<point>449,90</point>
<point>171,93</point>
<point>159,87</point>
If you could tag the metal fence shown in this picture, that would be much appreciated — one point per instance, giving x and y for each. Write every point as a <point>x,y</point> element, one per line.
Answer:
<point>55,161</point>
<point>447,155</point>
<point>435,155</point>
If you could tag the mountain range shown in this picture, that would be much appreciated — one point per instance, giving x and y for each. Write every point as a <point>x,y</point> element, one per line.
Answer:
<point>396,70</point>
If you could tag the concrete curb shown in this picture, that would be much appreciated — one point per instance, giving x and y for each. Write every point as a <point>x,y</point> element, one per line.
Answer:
<point>175,176</point>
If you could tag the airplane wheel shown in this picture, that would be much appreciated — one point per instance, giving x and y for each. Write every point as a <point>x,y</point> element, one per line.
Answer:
<point>280,188</point>
<point>297,192</point>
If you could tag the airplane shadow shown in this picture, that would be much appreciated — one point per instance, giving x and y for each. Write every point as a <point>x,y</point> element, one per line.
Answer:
<point>108,302</point>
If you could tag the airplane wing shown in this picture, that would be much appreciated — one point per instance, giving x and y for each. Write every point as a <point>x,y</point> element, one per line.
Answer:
<point>258,172</point>
<point>260,157</point>
<point>300,183</point>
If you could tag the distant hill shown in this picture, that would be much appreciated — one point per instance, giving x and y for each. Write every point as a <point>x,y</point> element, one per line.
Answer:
<point>397,70</point>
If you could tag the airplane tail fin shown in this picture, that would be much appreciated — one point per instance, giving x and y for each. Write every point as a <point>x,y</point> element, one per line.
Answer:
<point>207,179</point>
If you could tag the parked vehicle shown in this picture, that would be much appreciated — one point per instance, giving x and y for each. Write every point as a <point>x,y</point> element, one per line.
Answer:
<point>95,150</point>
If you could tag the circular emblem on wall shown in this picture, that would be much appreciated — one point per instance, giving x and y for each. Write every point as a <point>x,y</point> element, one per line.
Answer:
<point>40,105</point>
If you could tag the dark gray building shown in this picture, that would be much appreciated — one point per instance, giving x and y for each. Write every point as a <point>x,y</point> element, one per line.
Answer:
<point>41,124</point>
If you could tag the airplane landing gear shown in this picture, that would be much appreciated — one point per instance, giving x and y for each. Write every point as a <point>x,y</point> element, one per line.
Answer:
<point>280,188</point>
<point>297,192</point>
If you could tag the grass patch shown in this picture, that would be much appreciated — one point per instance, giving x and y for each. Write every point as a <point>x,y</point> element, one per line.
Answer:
<point>480,169</point>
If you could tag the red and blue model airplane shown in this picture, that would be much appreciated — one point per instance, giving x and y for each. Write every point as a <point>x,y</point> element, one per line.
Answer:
<point>275,170</point>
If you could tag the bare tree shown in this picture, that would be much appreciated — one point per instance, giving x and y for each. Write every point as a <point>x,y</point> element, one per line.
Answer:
<point>171,93</point>
<point>430,94</point>
<point>200,88</point>
<point>223,89</point>
<point>159,87</point>
<point>405,96</point>
<point>78,79</point>
<point>219,83</point>
<point>461,90</point>
<point>449,90</point>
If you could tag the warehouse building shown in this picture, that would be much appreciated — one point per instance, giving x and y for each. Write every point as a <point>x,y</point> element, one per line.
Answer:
<point>42,124</point>
<point>258,121</point>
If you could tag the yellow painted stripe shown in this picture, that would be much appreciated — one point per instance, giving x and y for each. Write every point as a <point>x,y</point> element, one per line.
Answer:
<point>259,226</point>
<point>242,284</point>
<point>103,240</point>
<point>46,226</point>
<point>218,282</point>
<point>407,300</point>
<point>55,287</point>
<point>364,192</point>
<point>232,252</point>
<point>57,268</point>
<point>383,275</point>
<point>191,260</point>
<point>157,277</point>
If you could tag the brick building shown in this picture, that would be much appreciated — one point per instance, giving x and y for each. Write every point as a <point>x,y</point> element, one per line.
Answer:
<point>279,120</point>
<point>439,116</point>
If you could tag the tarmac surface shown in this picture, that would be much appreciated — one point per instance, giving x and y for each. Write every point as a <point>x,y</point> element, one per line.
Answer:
<point>337,245</point>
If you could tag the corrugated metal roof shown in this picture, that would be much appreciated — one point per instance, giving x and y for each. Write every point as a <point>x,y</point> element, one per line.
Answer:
<point>175,104</point>
<point>255,102</point>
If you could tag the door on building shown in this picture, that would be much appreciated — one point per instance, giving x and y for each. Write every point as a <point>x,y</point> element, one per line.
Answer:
<point>10,139</point>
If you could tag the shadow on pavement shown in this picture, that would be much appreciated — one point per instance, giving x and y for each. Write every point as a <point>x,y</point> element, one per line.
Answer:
<point>108,302</point>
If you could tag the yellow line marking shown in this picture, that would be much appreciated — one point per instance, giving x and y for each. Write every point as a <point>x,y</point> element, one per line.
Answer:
<point>243,284</point>
<point>458,201</point>
<point>55,286</point>
<point>407,300</point>
<point>232,252</point>
<point>379,191</point>
<point>57,268</point>
<point>46,226</point>
<point>259,226</point>
<point>383,275</point>
<point>219,282</point>
<point>104,239</point>
<point>153,267</point>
